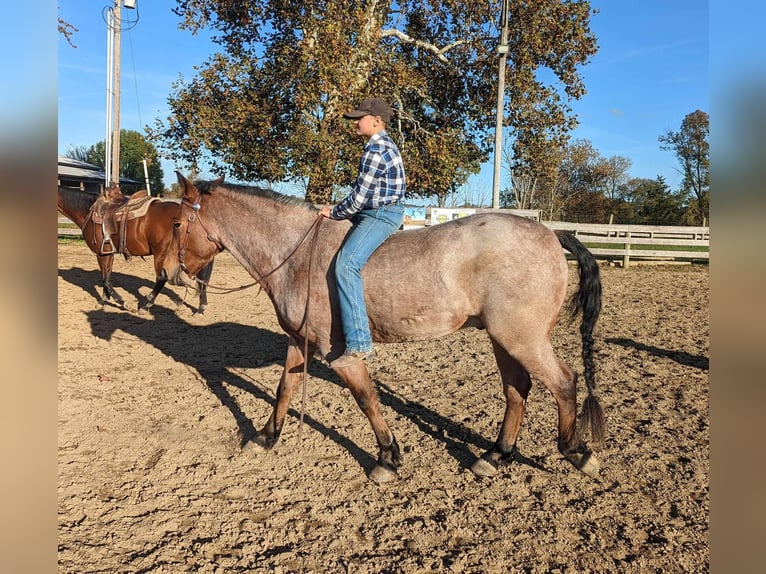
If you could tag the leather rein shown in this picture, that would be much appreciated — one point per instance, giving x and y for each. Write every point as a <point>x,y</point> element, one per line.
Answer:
<point>194,216</point>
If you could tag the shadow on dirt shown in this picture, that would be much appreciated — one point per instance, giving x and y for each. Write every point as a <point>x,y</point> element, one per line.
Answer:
<point>126,285</point>
<point>681,357</point>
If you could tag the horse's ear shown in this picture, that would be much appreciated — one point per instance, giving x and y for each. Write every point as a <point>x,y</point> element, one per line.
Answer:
<point>182,181</point>
<point>219,181</point>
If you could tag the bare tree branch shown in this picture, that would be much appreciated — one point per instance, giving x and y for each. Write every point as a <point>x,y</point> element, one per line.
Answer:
<point>67,30</point>
<point>421,44</point>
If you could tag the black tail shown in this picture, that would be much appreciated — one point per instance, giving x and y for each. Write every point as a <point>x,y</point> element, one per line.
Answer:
<point>587,301</point>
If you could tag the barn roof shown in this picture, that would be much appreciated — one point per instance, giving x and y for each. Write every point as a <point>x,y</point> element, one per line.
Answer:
<point>80,170</point>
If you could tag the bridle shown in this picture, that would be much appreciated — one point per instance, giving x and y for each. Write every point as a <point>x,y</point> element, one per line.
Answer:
<point>195,217</point>
<point>192,217</point>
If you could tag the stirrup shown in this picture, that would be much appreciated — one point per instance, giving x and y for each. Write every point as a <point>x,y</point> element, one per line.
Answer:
<point>107,240</point>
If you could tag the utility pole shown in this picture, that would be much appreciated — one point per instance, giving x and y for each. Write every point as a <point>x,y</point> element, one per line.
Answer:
<point>116,95</point>
<point>502,49</point>
<point>114,59</point>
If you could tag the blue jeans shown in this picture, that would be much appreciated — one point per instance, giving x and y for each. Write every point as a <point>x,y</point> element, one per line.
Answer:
<point>371,227</point>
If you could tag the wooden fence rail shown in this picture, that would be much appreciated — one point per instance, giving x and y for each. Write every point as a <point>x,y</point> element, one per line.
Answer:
<point>620,241</point>
<point>68,228</point>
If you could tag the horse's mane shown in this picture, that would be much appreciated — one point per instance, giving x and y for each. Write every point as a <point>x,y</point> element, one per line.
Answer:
<point>75,199</point>
<point>208,188</point>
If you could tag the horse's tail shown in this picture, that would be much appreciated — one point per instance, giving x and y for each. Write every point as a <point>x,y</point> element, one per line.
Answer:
<point>587,300</point>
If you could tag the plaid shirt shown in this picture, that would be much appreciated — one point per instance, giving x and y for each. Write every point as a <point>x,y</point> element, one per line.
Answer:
<point>380,181</point>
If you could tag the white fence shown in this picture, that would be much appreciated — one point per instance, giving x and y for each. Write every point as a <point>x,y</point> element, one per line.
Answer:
<point>657,242</point>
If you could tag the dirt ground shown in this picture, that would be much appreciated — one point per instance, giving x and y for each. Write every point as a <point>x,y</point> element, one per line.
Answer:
<point>153,408</point>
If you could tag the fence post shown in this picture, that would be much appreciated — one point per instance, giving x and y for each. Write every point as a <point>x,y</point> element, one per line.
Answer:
<point>626,257</point>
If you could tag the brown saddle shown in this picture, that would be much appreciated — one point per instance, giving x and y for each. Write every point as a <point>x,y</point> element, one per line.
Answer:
<point>112,211</point>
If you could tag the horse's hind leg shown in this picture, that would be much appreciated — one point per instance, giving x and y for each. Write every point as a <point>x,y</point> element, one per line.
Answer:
<point>203,277</point>
<point>202,299</point>
<point>105,265</point>
<point>561,381</point>
<point>516,385</point>
<point>358,381</point>
<point>292,375</point>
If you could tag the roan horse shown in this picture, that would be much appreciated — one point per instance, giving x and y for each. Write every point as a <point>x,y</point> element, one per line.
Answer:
<point>149,234</point>
<point>495,271</point>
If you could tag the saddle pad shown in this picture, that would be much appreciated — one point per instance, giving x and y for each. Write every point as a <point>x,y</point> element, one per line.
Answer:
<point>135,207</point>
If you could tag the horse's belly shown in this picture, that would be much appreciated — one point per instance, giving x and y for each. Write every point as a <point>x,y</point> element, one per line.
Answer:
<point>419,327</point>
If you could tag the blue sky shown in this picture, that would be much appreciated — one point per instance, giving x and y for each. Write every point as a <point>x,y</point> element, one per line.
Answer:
<point>651,70</point>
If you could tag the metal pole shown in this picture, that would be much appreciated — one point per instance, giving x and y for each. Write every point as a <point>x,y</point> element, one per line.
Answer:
<point>146,176</point>
<point>116,127</point>
<point>109,88</point>
<point>503,51</point>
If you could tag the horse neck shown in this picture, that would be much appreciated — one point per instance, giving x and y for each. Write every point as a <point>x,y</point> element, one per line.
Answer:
<point>267,233</point>
<point>75,205</point>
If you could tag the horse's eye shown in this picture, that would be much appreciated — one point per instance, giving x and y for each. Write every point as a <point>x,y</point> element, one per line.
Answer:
<point>176,224</point>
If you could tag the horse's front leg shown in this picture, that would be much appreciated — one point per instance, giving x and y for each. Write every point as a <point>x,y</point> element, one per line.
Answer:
<point>105,263</point>
<point>161,277</point>
<point>358,381</point>
<point>292,375</point>
<point>151,297</point>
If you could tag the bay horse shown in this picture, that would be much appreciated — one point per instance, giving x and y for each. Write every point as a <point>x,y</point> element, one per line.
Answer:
<point>149,234</point>
<point>495,271</point>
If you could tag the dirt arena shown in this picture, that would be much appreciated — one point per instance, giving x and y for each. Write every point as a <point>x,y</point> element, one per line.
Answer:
<point>153,408</point>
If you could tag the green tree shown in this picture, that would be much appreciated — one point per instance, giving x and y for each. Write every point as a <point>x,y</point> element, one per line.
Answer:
<point>691,146</point>
<point>269,106</point>
<point>652,202</point>
<point>134,148</point>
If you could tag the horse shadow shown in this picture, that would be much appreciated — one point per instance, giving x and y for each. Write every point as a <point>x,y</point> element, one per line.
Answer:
<point>90,282</point>
<point>455,436</point>
<point>697,361</point>
<point>217,351</point>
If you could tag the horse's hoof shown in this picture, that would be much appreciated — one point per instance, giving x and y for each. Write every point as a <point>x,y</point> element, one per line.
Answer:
<point>380,474</point>
<point>483,468</point>
<point>586,462</point>
<point>131,307</point>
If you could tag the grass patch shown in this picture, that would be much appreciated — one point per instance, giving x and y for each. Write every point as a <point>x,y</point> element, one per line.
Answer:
<point>71,240</point>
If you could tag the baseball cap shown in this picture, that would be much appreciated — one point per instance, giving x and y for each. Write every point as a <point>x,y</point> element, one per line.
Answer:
<point>371,107</point>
